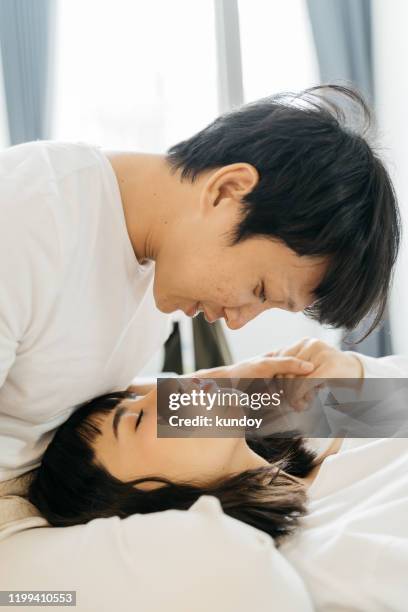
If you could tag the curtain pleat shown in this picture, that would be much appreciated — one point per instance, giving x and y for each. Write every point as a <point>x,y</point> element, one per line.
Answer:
<point>27,29</point>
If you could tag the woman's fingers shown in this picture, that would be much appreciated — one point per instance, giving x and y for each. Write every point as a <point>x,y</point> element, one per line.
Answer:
<point>290,366</point>
<point>293,350</point>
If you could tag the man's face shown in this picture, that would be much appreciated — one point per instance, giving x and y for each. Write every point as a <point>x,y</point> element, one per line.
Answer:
<point>197,269</point>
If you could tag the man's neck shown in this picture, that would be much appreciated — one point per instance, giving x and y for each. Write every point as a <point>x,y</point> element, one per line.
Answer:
<point>148,195</point>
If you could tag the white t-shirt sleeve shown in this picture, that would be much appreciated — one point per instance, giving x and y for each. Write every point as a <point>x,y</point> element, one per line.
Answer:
<point>29,258</point>
<point>385,412</point>
<point>392,366</point>
<point>14,302</point>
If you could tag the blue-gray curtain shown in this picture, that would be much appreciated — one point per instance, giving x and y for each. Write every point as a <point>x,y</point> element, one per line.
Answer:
<point>27,36</point>
<point>343,40</point>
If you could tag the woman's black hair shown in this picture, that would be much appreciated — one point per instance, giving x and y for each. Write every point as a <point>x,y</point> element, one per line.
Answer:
<point>323,191</point>
<point>70,487</point>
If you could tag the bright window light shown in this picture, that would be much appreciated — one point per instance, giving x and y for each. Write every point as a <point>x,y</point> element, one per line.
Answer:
<point>134,75</point>
<point>277,47</point>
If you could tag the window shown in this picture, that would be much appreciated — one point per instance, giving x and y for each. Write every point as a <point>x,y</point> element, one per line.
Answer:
<point>134,75</point>
<point>277,47</point>
<point>278,54</point>
<point>142,74</point>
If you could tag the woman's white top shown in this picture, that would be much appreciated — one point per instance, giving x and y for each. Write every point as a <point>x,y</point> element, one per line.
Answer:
<point>352,550</point>
<point>77,311</point>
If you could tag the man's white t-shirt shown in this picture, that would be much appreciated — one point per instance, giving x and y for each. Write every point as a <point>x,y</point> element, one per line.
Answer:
<point>77,312</point>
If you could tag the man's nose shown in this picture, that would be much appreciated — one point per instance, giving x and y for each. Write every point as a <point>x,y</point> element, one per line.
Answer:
<point>238,317</point>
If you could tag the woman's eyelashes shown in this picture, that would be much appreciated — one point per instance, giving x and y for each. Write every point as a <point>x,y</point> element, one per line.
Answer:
<point>139,418</point>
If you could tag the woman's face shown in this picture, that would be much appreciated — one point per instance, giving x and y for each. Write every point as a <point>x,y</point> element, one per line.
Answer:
<point>137,452</point>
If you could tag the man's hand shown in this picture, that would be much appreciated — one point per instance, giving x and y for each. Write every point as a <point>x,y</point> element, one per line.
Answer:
<point>328,362</point>
<point>262,366</point>
<point>309,359</point>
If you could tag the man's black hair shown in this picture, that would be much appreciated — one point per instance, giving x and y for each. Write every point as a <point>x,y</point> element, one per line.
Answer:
<point>322,191</point>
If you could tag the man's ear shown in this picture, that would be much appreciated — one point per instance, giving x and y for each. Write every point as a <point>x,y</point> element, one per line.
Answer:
<point>233,181</point>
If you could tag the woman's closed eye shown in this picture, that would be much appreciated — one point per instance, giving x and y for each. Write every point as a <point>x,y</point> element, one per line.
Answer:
<point>138,414</point>
<point>121,412</point>
<point>139,418</point>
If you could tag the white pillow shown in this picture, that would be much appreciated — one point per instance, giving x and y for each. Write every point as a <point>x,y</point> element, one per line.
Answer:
<point>199,560</point>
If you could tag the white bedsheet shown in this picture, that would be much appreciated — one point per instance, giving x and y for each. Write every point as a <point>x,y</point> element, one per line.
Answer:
<point>352,552</point>
<point>198,560</point>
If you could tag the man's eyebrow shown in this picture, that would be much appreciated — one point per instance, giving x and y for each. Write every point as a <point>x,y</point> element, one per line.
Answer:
<point>118,415</point>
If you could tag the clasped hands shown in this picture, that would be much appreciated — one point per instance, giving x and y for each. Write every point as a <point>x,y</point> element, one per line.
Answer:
<point>310,360</point>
